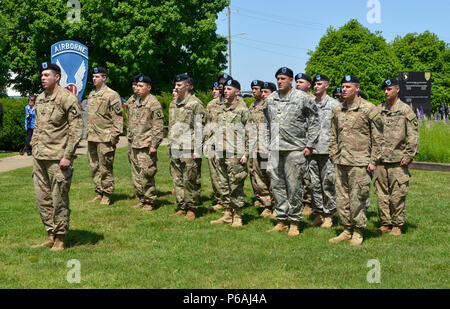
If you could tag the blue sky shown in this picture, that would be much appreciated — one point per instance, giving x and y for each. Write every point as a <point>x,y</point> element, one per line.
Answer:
<point>280,32</point>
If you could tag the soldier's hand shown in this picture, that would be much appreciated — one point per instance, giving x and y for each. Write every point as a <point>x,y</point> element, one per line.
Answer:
<point>113,142</point>
<point>403,163</point>
<point>243,160</point>
<point>196,156</point>
<point>64,163</point>
<point>152,150</point>
<point>307,152</point>
<point>371,167</point>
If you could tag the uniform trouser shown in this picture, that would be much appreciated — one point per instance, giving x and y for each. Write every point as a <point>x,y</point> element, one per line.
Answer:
<point>260,180</point>
<point>184,173</point>
<point>212,163</point>
<point>307,198</point>
<point>143,170</point>
<point>352,191</point>
<point>52,185</point>
<point>29,136</point>
<point>287,184</point>
<point>101,160</point>
<point>321,171</point>
<point>391,186</point>
<point>231,178</point>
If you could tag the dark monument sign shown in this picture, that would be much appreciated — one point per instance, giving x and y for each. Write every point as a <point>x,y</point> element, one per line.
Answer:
<point>415,90</point>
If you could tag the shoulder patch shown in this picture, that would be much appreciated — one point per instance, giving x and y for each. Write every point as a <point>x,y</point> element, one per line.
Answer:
<point>373,113</point>
<point>411,116</point>
<point>117,107</point>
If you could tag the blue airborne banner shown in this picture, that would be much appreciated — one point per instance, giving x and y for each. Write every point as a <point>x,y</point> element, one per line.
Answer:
<point>72,58</point>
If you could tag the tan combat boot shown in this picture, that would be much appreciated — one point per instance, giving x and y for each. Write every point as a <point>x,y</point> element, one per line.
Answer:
<point>396,231</point>
<point>318,220</point>
<point>383,229</point>
<point>180,212</point>
<point>307,210</point>
<point>59,243</point>
<point>267,212</point>
<point>97,198</point>
<point>357,238</point>
<point>105,200</point>
<point>226,219</point>
<point>281,226</point>
<point>258,204</point>
<point>190,214</point>
<point>237,218</point>
<point>138,205</point>
<point>147,207</point>
<point>327,221</point>
<point>345,235</point>
<point>216,207</point>
<point>293,229</point>
<point>47,243</point>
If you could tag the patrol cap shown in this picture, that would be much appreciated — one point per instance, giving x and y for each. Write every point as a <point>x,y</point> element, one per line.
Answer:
<point>215,85</point>
<point>362,95</point>
<point>99,70</point>
<point>50,66</point>
<point>144,79</point>
<point>390,82</point>
<point>257,83</point>
<point>233,83</point>
<point>285,71</point>
<point>350,79</point>
<point>225,77</point>
<point>270,86</point>
<point>303,76</point>
<point>320,77</point>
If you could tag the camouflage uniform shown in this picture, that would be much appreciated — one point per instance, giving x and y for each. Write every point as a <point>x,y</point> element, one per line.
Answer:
<point>391,182</point>
<point>105,124</point>
<point>321,168</point>
<point>355,142</point>
<point>259,177</point>
<point>293,125</point>
<point>145,128</point>
<point>57,132</point>
<point>186,118</point>
<point>231,146</point>
<point>307,198</point>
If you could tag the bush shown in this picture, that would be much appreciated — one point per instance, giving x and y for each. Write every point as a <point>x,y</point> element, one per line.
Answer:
<point>13,134</point>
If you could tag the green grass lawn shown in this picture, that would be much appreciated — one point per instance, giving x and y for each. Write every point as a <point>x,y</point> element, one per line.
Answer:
<point>6,154</point>
<point>120,247</point>
<point>434,142</point>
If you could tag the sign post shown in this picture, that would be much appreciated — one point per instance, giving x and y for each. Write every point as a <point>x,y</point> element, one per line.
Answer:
<point>415,90</point>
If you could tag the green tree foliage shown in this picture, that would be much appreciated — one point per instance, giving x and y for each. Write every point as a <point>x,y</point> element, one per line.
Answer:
<point>4,66</point>
<point>159,38</point>
<point>13,134</point>
<point>426,53</point>
<point>353,49</point>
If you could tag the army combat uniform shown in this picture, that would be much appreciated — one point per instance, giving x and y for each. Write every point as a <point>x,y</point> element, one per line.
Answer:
<point>391,181</point>
<point>105,124</point>
<point>145,129</point>
<point>57,132</point>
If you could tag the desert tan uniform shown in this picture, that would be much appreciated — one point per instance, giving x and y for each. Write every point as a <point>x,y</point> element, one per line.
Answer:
<point>145,129</point>
<point>105,124</point>
<point>57,132</point>
<point>401,142</point>
<point>355,142</point>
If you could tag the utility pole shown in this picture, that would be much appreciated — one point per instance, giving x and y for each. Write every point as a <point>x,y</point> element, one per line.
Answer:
<point>229,40</point>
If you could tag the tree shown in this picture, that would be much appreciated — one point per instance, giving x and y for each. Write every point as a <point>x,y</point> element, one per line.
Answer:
<point>353,49</point>
<point>4,67</point>
<point>425,52</point>
<point>159,38</point>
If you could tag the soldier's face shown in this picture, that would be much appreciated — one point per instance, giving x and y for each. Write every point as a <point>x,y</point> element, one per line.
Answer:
<point>349,90</point>
<point>320,87</point>
<point>216,92</point>
<point>338,96</point>
<point>174,94</point>
<point>230,92</point>
<point>49,79</point>
<point>31,101</point>
<point>303,85</point>
<point>98,79</point>
<point>284,83</point>
<point>391,92</point>
<point>182,88</point>
<point>143,89</point>
<point>256,90</point>
<point>134,86</point>
<point>266,93</point>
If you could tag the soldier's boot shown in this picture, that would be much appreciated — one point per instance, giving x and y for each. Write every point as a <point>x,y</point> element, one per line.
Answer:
<point>147,207</point>
<point>190,214</point>
<point>273,216</point>
<point>345,235</point>
<point>47,243</point>
<point>293,229</point>
<point>257,204</point>
<point>59,243</point>
<point>281,226</point>
<point>307,210</point>
<point>138,205</point>
<point>357,238</point>
<point>327,220</point>
<point>172,192</point>
<point>237,218</point>
<point>216,207</point>
<point>383,229</point>
<point>97,198</point>
<point>318,220</point>
<point>105,200</point>
<point>396,231</point>
<point>226,219</point>
<point>267,212</point>
<point>180,212</point>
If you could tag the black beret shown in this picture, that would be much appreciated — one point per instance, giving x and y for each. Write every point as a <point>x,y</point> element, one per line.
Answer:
<point>224,77</point>
<point>320,77</point>
<point>362,95</point>
<point>350,79</point>
<point>390,82</point>
<point>257,83</point>
<point>99,70</point>
<point>50,66</point>
<point>233,83</point>
<point>337,90</point>
<point>181,77</point>
<point>144,79</point>
<point>134,79</point>
<point>285,71</point>
<point>303,76</point>
<point>215,85</point>
<point>270,86</point>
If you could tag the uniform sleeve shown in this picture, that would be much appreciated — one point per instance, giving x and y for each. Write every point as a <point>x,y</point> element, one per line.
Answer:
<point>245,121</point>
<point>75,123</point>
<point>377,140</point>
<point>117,118</point>
<point>413,139</point>
<point>333,146</point>
<point>312,114</point>
<point>199,123</point>
<point>157,124</point>
<point>267,121</point>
